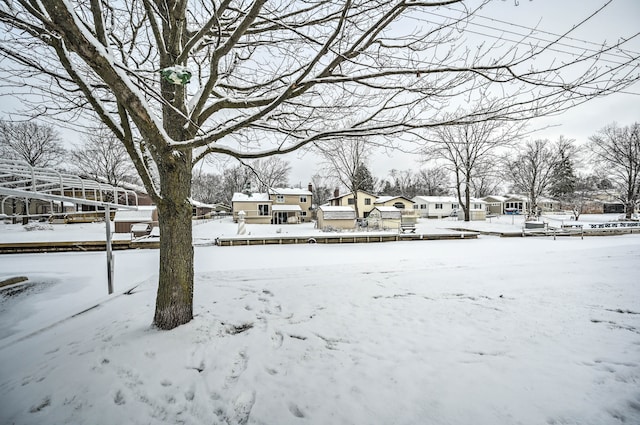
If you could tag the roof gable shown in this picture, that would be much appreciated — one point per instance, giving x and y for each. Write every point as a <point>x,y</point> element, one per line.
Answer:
<point>384,199</point>
<point>360,192</point>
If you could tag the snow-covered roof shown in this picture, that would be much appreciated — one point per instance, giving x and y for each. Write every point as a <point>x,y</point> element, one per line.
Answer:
<point>438,199</point>
<point>384,199</point>
<point>389,212</point>
<point>290,191</point>
<point>252,197</point>
<point>201,204</point>
<point>143,213</point>
<point>286,208</point>
<point>517,197</point>
<point>337,213</point>
<point>443,199</point>
<point>496,198</point>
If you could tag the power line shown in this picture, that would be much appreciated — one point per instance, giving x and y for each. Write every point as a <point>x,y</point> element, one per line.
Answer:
<point>529,35</point>
<point>535,30</point>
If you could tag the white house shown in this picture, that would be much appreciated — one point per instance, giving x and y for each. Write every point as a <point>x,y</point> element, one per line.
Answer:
<point>435,206</point>
<point>445,206</point>
<point>519,204</point>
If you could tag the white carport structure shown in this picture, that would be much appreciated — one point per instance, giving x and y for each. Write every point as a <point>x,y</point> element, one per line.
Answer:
<point>19,175</point>
<point>21,181</point>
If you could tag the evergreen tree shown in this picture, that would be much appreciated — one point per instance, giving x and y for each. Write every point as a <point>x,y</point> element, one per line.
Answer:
<point>564,178</point>
<point>363,179</point>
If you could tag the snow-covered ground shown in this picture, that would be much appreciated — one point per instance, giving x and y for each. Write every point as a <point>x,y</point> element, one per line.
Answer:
<point>485,331</point>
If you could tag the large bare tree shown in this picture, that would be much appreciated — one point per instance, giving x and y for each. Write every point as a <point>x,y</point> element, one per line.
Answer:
<point>346,161</point>
<point>618,150</point>
<point>37,144</point>
<point>270,172</point>
<point>467,150</point>
<point>178,80</point>
<point>531,170</point>
<point>103,157</point>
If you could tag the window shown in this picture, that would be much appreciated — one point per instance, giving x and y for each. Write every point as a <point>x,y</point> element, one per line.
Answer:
<point>399,205</point>
<point>423,206</point>
<point>350,201</point>
<point>303,199</point>
<point>477,206</point>
<point>415,206</point>
<point>303,213</point>
<point>280,199</point>
<point>454,206</point>
<point>263,209</point>
<point>438,206</point>
<point>367,201</point>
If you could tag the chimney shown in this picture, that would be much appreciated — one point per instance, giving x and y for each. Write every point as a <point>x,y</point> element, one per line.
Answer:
<point>336,192</point>
<point>310,187</point>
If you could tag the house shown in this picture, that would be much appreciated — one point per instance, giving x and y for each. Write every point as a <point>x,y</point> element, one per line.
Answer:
<point>519,204</point>
<point>277,206</point>
<point>366,201</point>
<point>291,205</point>
<point>200,209</point>
<point>257,207</point>
<point>446,206</point>
<point>495,204</point>
<point>124,220</point>
<point>336,217</point>
<point>399,202</point>
<point>435,206</point>
<point>477,211</point>
<point>385,217</point>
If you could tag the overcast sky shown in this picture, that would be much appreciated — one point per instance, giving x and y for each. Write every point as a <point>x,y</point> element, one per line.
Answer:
<point>619,19</point>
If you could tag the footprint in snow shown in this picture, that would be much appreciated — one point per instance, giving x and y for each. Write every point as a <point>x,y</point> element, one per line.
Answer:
<point>242,408</point>
<point>239,366</point>
<point>277,339</point>
<point>295,410</point>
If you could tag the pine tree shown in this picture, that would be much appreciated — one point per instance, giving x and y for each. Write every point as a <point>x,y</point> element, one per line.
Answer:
<point>564,177</point>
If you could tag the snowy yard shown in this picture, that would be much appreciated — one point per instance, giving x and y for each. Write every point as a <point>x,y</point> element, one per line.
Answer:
<point>486,331</point>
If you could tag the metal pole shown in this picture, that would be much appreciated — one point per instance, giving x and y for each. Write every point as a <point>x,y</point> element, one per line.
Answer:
<point>107,220</point>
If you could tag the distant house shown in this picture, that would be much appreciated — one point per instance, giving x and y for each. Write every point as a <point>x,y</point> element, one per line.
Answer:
<point>366,201</point>
<point>515,203</point>
<point>446,206</point>
<point>495,204</point>
<point>399,202</point>
<point>613,207</point>
<point>477,211</point>
<point>257,207</point>
<point>277,206</point>
<point>291,205</point>
<point>201,210</point>
<point>435,206</point>
<point>336,217</point>
<point>124,220</point>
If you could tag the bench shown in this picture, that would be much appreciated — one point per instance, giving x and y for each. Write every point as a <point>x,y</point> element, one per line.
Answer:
<point>407,227</point>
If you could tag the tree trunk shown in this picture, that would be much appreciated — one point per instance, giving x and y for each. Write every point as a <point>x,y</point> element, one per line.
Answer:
<point>174,303</point>
<point>628,209</point>
<point>467,201</point>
